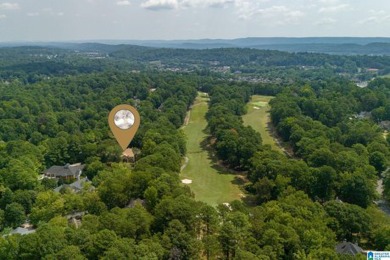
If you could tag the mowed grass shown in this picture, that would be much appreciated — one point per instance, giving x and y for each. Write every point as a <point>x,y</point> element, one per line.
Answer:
<point>209,183</point>
<point>258,117</point>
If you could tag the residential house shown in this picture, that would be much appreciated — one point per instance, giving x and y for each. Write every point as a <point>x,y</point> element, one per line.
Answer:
<point>76,186</point>
<point>24,229</point>
<point>348,248</point>
<point>75,218</point>
<point>68,171</point>
<point>385,125</point>
<point>128,155</point>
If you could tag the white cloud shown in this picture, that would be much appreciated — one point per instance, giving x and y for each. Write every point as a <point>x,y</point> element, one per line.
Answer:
<point>205,3</point>
<point>123,3</point>
<point>9,6</point>
<point>50,11</point>
<point>176,4</point>
<point>284,14</point>
<point>160,4</point>
<point>220,3</point>
<point>334,8</point>
<point>2,16</point>
<point>371,19</point>
<point>326,21</point>
<point>375,12</point>
<point>376,17</point>
<point>33,14</point>
<point>329,2</point>
<point>247,8</point>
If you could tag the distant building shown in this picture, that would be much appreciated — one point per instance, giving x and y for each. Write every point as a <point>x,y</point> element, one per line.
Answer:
<point>348,248</point>
<point>385,125</point>
<point>128,155</point>
<point>362,84</point>
<point>22,231</point>
<point>372,70</point>
<point>75,218</point>
<point>76,186</point>
<point>68,171</point>
<point>363,115</point>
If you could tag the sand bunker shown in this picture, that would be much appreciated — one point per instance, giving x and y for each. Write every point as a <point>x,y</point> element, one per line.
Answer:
<point>186,181</point>
<point>227,205</point>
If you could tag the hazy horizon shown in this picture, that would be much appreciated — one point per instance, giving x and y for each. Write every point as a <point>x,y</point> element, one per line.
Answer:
<point>116,41</point>
<point>86,20</point>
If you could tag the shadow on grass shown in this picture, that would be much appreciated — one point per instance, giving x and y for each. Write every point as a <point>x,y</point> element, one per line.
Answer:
<point>239,176</point>
<point>238,181</point>
<point>285,148</point>
<point>250,200</point>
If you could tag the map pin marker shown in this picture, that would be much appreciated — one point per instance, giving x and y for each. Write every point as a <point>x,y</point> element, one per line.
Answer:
<point>124,121</point>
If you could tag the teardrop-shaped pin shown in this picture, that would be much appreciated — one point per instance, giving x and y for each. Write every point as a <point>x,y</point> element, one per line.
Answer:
<point>124,121</point>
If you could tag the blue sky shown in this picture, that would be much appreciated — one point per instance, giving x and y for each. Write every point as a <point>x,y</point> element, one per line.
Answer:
<point>59,20</point>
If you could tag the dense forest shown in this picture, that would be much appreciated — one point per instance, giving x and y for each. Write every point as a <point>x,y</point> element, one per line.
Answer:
<point>53,111</point>
<point>31,64</point>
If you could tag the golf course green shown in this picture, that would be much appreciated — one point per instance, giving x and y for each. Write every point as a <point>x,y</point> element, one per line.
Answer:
<point>210,182</point>
<point>258,118</point>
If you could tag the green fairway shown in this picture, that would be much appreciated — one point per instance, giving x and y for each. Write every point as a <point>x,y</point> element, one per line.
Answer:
<point>209,183</point>
<point>258,118</point>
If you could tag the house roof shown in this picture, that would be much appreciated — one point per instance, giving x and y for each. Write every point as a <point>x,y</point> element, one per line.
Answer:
<point>77,215</point>
<point>76,186</point>
<point>22,231</point>
<point>66,170</point>
<point>348,248</point>
<point>128,153</point>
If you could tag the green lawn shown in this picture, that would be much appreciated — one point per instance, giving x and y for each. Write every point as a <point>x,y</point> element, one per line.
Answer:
<point>209,183</point>
<point>258,118</point>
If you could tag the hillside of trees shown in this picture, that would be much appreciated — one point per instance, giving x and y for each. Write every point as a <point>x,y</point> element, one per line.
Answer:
<point>36,63</point>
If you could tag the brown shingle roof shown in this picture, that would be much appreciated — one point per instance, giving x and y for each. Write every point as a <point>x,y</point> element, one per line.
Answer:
<point>128,153</point>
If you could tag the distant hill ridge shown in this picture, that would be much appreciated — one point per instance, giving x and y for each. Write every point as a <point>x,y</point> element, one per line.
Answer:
<point>329,45</point>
